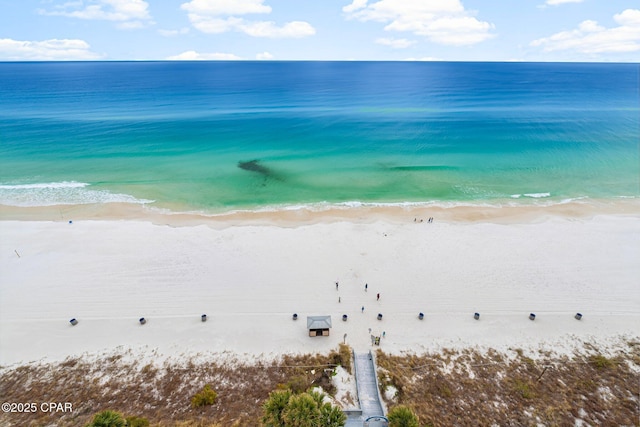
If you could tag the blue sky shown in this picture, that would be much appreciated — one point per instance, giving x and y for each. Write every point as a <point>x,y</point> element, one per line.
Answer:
<point>450,30</point>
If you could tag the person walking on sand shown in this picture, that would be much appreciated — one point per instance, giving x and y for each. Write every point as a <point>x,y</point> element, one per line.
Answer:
<point>336,285</point>
<point>378,297</point>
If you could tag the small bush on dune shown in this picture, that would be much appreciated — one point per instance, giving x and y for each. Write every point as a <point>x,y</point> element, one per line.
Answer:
<point>298,384</point>
<point>108,418</point>
<point>345,357</point>
<point>523,388</point>
<point>601,362</point>
<point>402,416</point>
<point>205,397</point>
<point>342,357</point>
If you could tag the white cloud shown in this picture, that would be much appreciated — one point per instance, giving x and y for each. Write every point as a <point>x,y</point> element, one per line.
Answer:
<point>444,21</point>
<point>264,56</point>
<point>458,30</point>
<point>557,2</point>
<point>46,50</point>
<point>171,33</point>
<point>628,17</point>
<point>592,38</point>
<point>214,25</point>
<point>220,16</point>
<point>294,29</point>
<point>192,55</point>
<point>131,25</point>
<point>395,43</point>
<point>225,7</point>
<point>128,13</point>
<point>356,5</point>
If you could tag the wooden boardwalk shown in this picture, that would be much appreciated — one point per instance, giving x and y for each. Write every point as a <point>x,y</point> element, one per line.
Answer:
<point>368,395</point>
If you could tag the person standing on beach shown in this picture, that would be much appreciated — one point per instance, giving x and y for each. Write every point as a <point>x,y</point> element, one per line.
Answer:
<point>378,297</point>
<point>336,285</point>
<point>362,309</point>
<point>366,286</point>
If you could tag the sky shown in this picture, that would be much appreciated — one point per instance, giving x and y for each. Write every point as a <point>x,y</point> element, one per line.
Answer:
<point>343,30</point>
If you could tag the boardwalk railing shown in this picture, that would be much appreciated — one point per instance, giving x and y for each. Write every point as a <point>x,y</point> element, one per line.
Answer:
<point>375,375</point>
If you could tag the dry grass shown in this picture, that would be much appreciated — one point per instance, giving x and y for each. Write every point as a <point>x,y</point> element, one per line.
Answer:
<point>464,388</point>
<point>162,394</point>
<point>450,388</point>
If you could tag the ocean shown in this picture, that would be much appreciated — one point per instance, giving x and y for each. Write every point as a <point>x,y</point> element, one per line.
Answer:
<point>219,136</point>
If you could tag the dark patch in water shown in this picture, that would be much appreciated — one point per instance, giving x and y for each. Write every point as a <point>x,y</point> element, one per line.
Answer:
<point>254,166</point>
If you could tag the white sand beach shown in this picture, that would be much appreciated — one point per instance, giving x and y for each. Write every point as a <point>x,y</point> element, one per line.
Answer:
<point>249,277</point>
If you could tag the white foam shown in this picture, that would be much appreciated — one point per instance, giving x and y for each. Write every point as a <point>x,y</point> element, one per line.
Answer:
<point>327,206</point>
<point>63,184</point>
<point>572,200</point>
<point>60,193</point>
<point>537,195</point>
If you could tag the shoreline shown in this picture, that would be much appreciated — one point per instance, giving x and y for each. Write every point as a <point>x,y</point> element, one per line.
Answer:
<point>292,216</point>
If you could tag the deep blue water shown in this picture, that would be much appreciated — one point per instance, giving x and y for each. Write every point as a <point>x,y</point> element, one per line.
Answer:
<point>379,132</point>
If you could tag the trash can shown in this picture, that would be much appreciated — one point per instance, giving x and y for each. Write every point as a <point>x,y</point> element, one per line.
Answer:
<point>578,316</point>
<point>73,321</point>
<point>379,316</point>
<point>344,317</point>
<point>203,317</point>
<point>295,316</point>
<point>421,316</point>
<point>476,316</point>
<point>143,320</point>
<point>532,316</point>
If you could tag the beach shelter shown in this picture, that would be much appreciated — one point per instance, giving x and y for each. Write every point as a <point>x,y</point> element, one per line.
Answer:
<point>318,326</point>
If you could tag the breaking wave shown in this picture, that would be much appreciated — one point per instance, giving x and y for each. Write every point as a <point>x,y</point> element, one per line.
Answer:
<point>60,193</point>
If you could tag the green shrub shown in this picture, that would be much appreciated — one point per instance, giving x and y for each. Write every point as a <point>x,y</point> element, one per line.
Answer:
<point>523,388</point>
<point>273,407</point>
<point>331,416</point>
<point>601,362</point>
<point>108,418</point>
<point>205,397</point>
<point>301,411</point>
<point>402,416</point>
<point>298,384</point>
<point>285,409</point>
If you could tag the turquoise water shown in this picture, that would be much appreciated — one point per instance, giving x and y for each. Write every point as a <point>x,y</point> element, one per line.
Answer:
<point>172,134</point>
